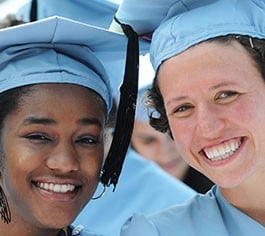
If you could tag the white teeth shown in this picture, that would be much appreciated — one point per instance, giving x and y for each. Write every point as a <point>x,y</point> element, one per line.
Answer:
<point>222,151</point>
<point>58,188</point>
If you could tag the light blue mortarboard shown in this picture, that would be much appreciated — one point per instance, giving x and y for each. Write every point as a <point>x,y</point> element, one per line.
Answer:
<point>58,50</point>
<point>95,12</point>
<point>179,24</point>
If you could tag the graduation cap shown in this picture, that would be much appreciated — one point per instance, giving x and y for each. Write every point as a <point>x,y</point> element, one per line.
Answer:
<point>95,12</point>
<point>79,10</point>
<point>175,25</point>
<point>60,50</point>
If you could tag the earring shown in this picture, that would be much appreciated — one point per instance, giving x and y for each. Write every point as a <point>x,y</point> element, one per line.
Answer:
<point>100,195</point>
<point>4,208</point>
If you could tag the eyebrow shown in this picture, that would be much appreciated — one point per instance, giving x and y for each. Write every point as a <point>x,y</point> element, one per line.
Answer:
<point>36,120</point>
<point>176,99</point>
<point>90,121</point>
<point>46,121</point>
<point>223,84</point>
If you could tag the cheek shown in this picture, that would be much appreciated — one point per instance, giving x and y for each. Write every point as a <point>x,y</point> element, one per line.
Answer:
<point>17,166</point>
<point>140,147</point>
<point>90,168</point>
<point>12,159</point>
<point>182,135</point>
<point>92,163</point>
<point>1,164</point>
<point>15,183</point>
<point>148,151</point>
<point>23,160</point>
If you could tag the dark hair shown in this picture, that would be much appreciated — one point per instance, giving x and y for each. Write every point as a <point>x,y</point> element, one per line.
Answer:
<point>255,47</point>
<point>10,20</point>
<point>10,100</point>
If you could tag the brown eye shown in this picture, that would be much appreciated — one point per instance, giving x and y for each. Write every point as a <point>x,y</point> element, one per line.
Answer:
<point>87,140</point>
<point>226,96</point>
<point>38,137</point>
<point>183,110</point>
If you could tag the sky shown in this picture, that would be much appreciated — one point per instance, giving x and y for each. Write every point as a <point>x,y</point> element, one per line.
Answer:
<point>10,6</point>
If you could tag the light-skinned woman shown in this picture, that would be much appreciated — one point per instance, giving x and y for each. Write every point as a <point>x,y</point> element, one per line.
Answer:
<point>209,91</point>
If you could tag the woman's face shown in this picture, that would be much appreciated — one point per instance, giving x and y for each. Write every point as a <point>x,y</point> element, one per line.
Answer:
<point>214,97</point>
<point>158,147</point>
<point>52,152</point>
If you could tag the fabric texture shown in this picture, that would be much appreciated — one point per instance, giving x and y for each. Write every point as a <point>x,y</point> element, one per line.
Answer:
<point>206,215</point>
<point>47,51</point>
<point>148,188</point>
<point>176,25</point>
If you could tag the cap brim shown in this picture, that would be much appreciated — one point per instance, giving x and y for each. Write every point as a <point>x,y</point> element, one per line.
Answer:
<point>109,47</point>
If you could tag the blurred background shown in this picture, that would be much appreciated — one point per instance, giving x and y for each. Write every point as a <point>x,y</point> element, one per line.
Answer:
<point>11,6</point>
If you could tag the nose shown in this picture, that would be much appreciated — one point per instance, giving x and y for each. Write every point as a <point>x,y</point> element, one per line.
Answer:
<point>209,121</point>
<point>63,158</point>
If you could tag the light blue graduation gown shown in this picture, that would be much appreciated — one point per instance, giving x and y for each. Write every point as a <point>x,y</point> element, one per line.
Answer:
<point>76,231</point>
<point>204,215</point>
<point>142,187</point>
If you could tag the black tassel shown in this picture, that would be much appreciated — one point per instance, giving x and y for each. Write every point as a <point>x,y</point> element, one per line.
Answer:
<point>33,15</point>
<point>126,112</point>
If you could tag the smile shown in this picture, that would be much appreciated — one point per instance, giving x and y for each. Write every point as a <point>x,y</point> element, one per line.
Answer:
<point>222,151</point>
<point>57,188</point>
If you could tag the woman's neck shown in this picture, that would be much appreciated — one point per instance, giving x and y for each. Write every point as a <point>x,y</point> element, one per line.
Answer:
<point>15,228</point>
<point>249,197</point>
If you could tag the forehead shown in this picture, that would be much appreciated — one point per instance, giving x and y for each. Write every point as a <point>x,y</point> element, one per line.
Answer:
<point>61,94</point>
<point>206,65</point>
<point>207,54</point>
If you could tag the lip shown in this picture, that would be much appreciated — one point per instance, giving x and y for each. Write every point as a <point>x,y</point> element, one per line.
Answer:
<point>57,196</point>
<point>222,162</point>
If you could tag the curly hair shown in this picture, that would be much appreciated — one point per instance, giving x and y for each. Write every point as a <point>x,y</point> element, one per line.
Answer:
<point>154,99</point>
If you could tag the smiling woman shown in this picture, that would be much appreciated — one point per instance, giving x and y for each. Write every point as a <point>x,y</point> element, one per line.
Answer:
<point>56,160</point>
<point>209,92</point>
<point>55,97</point>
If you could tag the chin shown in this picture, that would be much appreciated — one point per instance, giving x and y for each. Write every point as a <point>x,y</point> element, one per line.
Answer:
<point>228,183</point>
